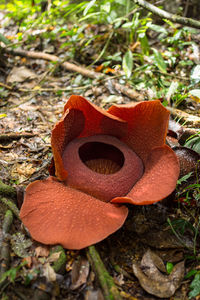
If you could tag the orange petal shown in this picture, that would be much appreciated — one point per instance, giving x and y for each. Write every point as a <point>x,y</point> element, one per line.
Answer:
<point>69,127</point>
<point>81,118</point>
<point>147,125</point>
<point>97,120</point>
<point>159,179</point>
<point>57,214</point>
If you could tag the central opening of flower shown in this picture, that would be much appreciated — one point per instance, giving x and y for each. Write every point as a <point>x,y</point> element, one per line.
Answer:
<point>101,157</point>
<point>101,166</point>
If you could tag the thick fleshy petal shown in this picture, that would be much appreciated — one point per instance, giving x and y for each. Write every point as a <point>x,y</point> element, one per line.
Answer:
<point>158,181</point>
<point>69,127</point>
<point>97,120</point>
<point>147,125</point>
<point>57,214</point>
<point>81,118</point>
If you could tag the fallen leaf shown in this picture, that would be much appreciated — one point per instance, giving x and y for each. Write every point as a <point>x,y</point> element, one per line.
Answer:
<point>152,259</point>
<point>54,256</point>
<point>42,251</point>
<point>80,272</point>
<point>19,244</point>
<point>174,129</point>
<point>60,263</point>
<point>94,295</point>
<point>171,255</point>
<point>3,116</point>
<point>99,68</point>
<point>49,272</point>
<point>20,74</point>
<point>28,261</point>
<point>153,281</point>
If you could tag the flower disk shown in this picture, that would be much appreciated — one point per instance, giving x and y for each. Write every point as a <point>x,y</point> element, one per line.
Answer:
<point>101,166</point>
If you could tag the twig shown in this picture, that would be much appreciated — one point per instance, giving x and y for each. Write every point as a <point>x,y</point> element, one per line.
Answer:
<point>5,86</point>
<point>185,117</point>
<point>11,205</point>
<point>172,75</point>
<point>53,90</point>
<point>7,221</point>
<point>16,136</point>
<point>68,66</point>
<point>7,190</point>
<point>109,288</point>
<point>5,248</point>
<point>132,94</point>
<point>166,15</point>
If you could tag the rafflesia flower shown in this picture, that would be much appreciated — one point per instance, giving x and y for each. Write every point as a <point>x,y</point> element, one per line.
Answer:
<point>102,159</point>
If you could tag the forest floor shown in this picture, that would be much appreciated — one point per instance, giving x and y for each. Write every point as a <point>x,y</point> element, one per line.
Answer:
<point>33,94</point>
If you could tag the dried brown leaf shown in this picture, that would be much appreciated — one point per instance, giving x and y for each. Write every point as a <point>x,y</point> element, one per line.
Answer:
<point>20,74</point>
<point>94,295</point>
<point>41,251</point>
<point>80,272</point>
<point>49,272</point>
<point>155,282</point>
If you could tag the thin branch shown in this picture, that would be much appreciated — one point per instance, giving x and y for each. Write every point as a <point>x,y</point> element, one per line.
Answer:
<point>106,281</point>
<point>188,119</point>
<point>11,205</point>
<point>166,15</point>
<point>5,86</point>
<point>134,95</point>
<point>68,66</point>
<point>131,93</point>
<point>15,136</point>
<point>5,247</point>
<point>7,190</point>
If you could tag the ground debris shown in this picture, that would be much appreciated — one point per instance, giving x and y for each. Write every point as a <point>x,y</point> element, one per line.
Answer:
<point>151,277</point>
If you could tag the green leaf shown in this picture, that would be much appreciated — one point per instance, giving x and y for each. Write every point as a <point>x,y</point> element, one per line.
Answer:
<point>95,14</point>
<point>106,7</point>
<point>172,89</point>
<point>157,28</point>
<point>159,61</point>
<point>122,2</point>
<point>169,267</point>
<point>4,39</point>
<point>194,143</point>
<point>181,225</point>
<point>190,274</point>
<point>195,74</point>
<point>127,63</point>
<point>195,93</point>
<point>184,178</point>
<point>144,43</point>
<point>170,23</point>
<point>195,286</point>
<point>3,116</point>
<point>88,6</point>
<point>127,25</point>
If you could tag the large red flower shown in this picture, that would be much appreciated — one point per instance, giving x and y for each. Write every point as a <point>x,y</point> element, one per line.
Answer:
<point>101,159</point>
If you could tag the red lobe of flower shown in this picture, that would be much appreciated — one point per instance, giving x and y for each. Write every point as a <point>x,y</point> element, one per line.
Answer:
<point>102,159</point>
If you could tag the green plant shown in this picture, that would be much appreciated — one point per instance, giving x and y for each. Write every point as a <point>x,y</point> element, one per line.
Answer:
<point>11,274</point>
<point>193,142</point>
<point>195,285</point>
